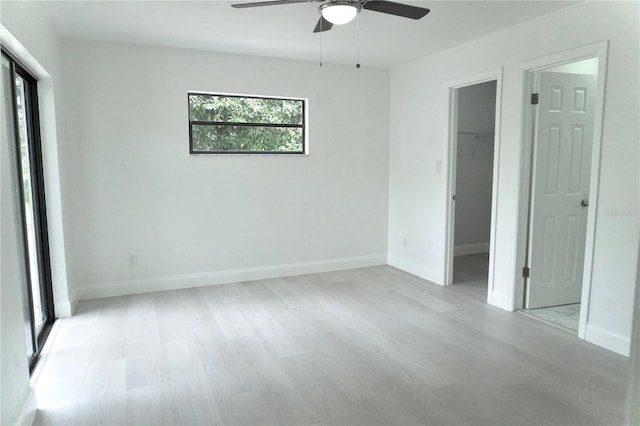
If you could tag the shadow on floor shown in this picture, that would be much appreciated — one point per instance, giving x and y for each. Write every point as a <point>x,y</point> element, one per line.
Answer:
<point>471,268</point>
<point>472,271</point>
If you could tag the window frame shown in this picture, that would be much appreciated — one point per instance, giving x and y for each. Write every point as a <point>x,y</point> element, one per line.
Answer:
<point>302,126</point>
<point>36,166</point>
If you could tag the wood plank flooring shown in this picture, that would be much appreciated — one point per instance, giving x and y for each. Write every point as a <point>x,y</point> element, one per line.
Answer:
<point>359,347</point>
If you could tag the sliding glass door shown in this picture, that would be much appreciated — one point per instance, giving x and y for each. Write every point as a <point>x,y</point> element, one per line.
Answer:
<point>20,101</point>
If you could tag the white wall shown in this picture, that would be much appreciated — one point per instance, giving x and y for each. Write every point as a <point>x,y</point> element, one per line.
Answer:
<point>418,133</point>
<point>192,220</point>
<point>26,33</point>
<point>588,66</point>
<point>474,167</point>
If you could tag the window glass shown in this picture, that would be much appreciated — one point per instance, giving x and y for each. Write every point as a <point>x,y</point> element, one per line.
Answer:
<point>245,124</point>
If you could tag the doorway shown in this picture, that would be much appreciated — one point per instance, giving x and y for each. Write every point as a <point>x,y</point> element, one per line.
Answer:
<point>474,183</point>
<point>473,150</point>
<point>25,175</point>
<point>563,105</point>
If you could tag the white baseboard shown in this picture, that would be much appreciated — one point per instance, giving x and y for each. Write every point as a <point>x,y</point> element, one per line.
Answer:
<point>500,300</point>
<point>608,340</point>
<point>63,309</point>
<point>73,302</point>
<point>462,249</point>
<point>27,411</point>
<point>122,288</point>
<point>414,269</point>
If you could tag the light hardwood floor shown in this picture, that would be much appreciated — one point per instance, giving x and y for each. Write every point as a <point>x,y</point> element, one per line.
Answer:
<point>358,347</point>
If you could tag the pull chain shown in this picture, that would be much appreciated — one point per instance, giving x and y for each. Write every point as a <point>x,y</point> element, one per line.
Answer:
<point>321,30</point>
<point>358,41</point>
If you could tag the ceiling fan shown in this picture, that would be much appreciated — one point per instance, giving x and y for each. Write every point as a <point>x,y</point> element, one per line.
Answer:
<point>338,12</point>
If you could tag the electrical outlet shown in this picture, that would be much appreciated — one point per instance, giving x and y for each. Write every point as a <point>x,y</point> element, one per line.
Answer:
<point>404,242</point>
<point>439,167</point>
<point>133,260</point>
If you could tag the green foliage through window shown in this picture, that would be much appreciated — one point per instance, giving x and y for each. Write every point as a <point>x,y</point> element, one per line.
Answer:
<point>244,124</point>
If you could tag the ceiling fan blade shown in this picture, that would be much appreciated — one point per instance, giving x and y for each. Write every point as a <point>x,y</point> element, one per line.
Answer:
<point>398,9</point>
<point>267,3</point>
<point>322,25</point>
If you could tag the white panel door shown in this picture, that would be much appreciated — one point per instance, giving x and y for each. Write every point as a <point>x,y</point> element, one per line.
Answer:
<point>560,190</point>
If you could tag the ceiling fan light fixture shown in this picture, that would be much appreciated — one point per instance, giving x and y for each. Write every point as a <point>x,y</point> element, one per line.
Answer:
<point>339,12</point>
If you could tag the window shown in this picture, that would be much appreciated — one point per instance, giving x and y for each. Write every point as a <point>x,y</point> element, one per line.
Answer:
<point>20,106</point>
<point>232,124</point>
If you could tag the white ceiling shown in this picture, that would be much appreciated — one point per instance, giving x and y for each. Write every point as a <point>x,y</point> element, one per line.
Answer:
<point>285,31</point>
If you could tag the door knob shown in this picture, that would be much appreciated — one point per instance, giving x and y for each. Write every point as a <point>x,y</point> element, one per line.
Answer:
<point>584,202</point>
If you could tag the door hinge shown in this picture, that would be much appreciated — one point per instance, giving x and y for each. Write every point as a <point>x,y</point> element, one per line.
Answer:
<point>526,272</point>
<point>534,99</point>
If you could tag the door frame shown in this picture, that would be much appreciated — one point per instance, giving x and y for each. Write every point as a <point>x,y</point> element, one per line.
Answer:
<point>451,149</point>
<point>527,74</point>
